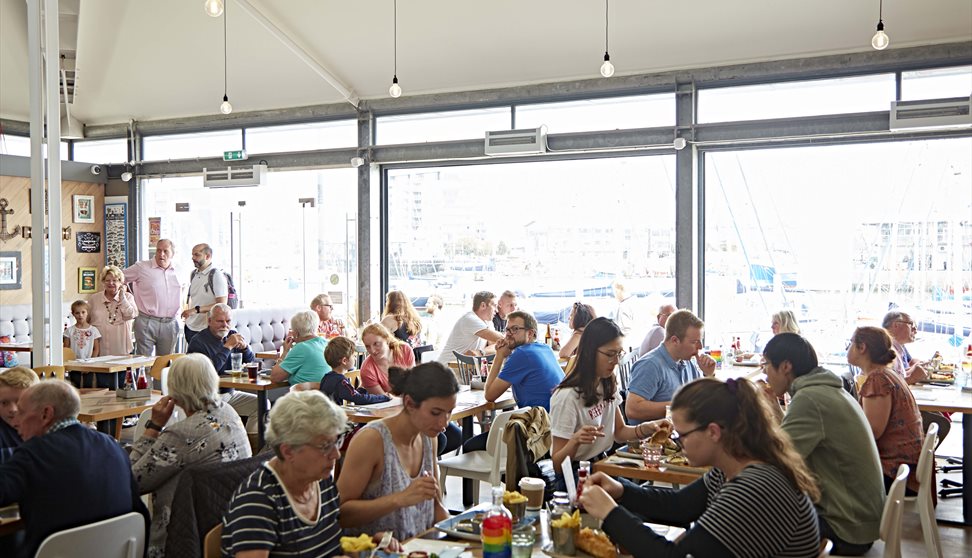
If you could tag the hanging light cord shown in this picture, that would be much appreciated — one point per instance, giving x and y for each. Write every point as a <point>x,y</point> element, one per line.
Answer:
<point>606,27</point>
<point>225,10</point>
<point>880,10</point>
<point>395,34</point>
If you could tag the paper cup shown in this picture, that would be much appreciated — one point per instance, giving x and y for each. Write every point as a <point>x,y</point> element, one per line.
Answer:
<point>533,489</point>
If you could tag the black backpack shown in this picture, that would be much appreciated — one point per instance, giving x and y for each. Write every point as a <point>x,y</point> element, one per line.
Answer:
<point>232,298</point>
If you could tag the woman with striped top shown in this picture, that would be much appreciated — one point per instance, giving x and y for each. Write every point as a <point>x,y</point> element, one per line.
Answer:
<point>289,506</point>
<point>756,501</point>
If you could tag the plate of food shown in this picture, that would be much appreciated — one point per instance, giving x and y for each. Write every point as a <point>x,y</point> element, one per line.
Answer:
<point>589,543</point>
<point>466,525</point>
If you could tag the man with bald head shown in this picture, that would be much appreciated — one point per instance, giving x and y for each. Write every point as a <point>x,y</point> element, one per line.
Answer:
<point>157,290</point>
<point>657,332</point>
<point>43,473</point>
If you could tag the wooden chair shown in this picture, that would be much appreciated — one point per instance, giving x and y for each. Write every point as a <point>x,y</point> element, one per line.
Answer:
<point>624,368</point>
<point>923,503</point>
<point>212,542</point>
<point>49,372</point>
<point>68,354</point>
<point>161,362</point>
<point>891,516</point>
<point>354,377</point>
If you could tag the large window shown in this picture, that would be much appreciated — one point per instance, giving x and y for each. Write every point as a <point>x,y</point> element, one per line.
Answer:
<point>441,126</point>
<point>20,145</point>
<point>797,98</point>
<point>191,146</point>
<point>556,232</point>
<point>290,240</point>
<point>101,151</point>
<point>616,113</point>
<point>840,234</point>
<point>937,84</point>
<point>302,137</point>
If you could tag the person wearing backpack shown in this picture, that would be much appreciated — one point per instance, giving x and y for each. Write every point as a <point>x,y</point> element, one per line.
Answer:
<point>207,287</point>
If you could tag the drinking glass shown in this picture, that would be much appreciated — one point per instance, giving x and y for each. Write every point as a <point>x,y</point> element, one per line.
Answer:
<point>652,454</point>
<point>236,361</point>
<point>523,541</point>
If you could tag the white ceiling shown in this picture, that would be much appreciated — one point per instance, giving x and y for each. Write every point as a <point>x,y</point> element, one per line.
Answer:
<point>151,59</point>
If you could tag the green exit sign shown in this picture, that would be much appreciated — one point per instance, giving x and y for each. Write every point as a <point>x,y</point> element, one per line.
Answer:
<point>234,155</point>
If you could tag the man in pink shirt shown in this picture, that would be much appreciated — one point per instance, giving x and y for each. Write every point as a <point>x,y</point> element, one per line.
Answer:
<point>157,292</point>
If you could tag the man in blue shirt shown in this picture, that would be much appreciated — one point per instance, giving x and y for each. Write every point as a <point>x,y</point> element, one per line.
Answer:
<point>530,368</point>
<point>656,376</point>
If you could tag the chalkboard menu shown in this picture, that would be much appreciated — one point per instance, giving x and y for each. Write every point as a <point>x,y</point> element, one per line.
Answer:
<point>88,242</point>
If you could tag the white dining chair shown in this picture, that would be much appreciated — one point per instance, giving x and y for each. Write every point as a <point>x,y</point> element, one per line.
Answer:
<point>488,465</point>
<point>118,537</point>
<point>923,503</point>
<point>891,517</point>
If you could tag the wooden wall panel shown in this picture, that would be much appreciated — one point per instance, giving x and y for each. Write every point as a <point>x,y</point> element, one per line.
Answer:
<point>16,190</point>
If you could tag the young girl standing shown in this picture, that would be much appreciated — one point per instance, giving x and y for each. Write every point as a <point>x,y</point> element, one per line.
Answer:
<point>82,338</point>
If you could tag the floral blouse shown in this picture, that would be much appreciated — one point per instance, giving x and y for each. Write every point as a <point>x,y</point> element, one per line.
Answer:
<point>214,435</point>
<point>902,437</point>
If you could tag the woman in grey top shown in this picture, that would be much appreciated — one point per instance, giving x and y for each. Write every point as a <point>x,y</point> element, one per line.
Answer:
<point>389,480</point>
<point>211,432</point>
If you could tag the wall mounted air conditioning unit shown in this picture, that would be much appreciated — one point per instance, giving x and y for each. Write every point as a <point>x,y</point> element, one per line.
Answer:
<point>931,114</point>
<point>230,177</point>
<point>517,142</point>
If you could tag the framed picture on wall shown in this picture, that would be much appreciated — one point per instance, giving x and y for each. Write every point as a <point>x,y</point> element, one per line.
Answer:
<point>116,234</point>
<point>84,209</point>
<point>87,280</point>
<point>10,271</point>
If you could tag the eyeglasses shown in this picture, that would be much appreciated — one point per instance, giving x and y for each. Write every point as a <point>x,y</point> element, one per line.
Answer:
<point>327,447</point>
<point>328,305</point>
<point>612,355</point>
<point>677,438</point>
<point>911,325</point>
<point>516,329</point>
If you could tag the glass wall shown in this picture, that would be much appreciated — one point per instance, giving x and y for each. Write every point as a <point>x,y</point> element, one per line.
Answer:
<point>936,84</point>
<point>20,146</point>
<point>840,234</point>
<point>441,126</point>
<point>101,151</point>
<point>555,232</point>
<point>615,113</point>
<point>191,146</point>
<point>290,239</point>
<point>302,137</point>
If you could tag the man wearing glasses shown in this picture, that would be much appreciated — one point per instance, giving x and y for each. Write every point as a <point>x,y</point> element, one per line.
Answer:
<point>902,330</point>
<point>657,376</point>
<point>522,363</point>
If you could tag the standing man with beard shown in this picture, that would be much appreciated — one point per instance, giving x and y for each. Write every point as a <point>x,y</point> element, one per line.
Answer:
<point>156,290</point>
<point>207,288</point>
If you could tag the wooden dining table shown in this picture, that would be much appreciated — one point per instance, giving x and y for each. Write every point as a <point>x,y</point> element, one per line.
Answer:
<point>261,387</point>
<point>23,347</point>
<point>108,365</point>
<point>469,403</point>
<point>952,399</point>
<point>101,405</point>
<point>634,468</point>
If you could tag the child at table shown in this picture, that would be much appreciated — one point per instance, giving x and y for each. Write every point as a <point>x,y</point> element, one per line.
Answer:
<point>339,354</point>
<point>82,338</point>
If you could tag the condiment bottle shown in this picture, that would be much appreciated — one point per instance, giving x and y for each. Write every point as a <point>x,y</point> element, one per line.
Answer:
<point>496,530</point>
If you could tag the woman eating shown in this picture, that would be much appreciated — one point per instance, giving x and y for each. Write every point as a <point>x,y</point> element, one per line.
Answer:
<point>829,429</point>
<point>755,501</point>
<point>585,412</point>
<point>401,319</point>
<point>302,357</point>
<point>580,315</point>
<point>384,351</point>
<point>211,432</point>
<point>289,506</point>
<point>888,404</point>
<point>389,480</point>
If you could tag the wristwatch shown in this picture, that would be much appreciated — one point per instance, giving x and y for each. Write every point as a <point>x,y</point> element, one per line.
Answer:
<point>152,426</point>
<point>197,309</point>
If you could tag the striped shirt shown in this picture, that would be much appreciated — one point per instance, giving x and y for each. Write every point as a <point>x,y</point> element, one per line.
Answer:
<point>261,517</point>
<point>760,513</point>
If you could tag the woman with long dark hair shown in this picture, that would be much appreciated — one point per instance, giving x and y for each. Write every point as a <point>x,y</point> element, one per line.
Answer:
<point>757,500</point>
<point>580,315</point>
<point>585,413</point>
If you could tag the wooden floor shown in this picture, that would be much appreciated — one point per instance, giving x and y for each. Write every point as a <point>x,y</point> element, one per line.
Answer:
<point>956,541</point>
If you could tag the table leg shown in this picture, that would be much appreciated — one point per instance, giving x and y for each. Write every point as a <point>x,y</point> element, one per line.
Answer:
<point>261,416</point>
<point>467,484</point>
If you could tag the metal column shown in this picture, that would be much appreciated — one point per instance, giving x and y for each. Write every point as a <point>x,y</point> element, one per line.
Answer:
<point>35,88</point>
<point>56,252</point>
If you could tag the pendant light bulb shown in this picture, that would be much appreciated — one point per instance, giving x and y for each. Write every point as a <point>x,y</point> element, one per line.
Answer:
<point>880,40</point>
<point>225,107</point>
<point>214,8</point>
<point>607,68</point>
<point>395,90</point>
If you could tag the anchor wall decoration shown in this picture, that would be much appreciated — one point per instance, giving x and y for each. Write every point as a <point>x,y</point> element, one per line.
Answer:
<point>4,235</point>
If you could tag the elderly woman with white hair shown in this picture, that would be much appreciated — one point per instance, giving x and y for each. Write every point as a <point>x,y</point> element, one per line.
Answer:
<point>211,432</point>
<point>289,506</point>
<point>302,358</point>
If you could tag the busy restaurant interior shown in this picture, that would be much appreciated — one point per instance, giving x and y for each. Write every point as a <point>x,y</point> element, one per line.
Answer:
<point>498,280</point>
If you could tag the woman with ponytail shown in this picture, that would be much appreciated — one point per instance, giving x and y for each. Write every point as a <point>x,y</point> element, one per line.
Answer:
<point>390,477</point>
<point>888,404</point>
<point>757,500</point>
